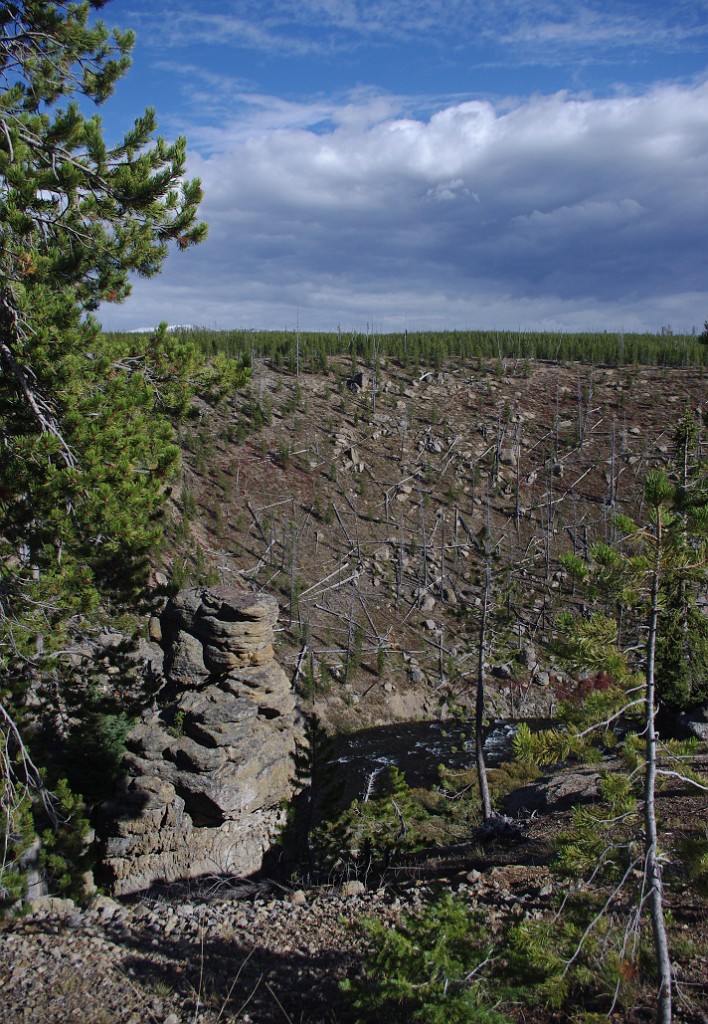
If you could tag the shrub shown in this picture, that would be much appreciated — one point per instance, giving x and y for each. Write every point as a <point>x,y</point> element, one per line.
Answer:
<point>432,968</point>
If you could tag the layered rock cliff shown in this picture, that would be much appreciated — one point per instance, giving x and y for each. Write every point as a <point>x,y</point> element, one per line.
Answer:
<point>209,765</point>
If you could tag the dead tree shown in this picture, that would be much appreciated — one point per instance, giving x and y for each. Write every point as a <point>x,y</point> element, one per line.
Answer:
<point>480,698</point>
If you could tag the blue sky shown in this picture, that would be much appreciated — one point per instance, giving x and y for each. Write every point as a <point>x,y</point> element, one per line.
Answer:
<point>505,164</point>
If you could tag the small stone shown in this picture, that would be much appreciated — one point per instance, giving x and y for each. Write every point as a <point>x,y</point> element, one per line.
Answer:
<point>105,906</point>
<point>298,898</point>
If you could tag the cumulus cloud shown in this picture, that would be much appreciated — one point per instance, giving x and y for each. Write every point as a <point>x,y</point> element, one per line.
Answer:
<point>557,210</point>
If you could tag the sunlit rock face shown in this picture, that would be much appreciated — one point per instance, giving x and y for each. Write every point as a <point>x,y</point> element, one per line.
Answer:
<point>209,765</point>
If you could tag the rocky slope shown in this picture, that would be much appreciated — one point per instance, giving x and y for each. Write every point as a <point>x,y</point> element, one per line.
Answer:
<point>361,511</point>
<point>224,952</point>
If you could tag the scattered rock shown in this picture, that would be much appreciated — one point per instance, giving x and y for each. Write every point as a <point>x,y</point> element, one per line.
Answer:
<point>51,906</point>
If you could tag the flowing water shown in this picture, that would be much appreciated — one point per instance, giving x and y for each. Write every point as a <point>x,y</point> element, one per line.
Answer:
<point>417,749</point>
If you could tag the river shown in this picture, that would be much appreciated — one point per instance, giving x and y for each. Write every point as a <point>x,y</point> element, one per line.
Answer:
<point>417,749</point>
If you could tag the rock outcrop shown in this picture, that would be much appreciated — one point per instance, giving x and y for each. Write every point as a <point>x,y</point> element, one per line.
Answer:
<point>210,764</point>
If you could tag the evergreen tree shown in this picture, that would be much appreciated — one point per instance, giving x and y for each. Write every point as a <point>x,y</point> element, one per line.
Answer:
<point>88,442</point>
<point>682,638</point>
<point>638,577</point>
<point>85,455</point>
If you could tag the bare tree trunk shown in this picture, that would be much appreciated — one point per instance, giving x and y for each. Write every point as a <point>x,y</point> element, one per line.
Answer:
<point>403,433</point>
<point>399,563</point>
<point>547,533</point>
<point>479,705</point>
<point>613,470</point>
<point>294,603</point>
<point>297,345</point>
<point>349,661</point>
<point>423,540</point>
<point>442,556</point>
<point>652,864</point>
<point>517,445</point>
<point>581,423</point>
<point>374,373</point>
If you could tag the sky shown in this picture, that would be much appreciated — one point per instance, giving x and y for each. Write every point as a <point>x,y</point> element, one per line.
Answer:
<point>429,164</point>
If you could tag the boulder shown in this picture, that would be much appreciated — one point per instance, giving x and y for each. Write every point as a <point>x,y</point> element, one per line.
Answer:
<point>185,662</point>
<point>695,722</point>
<point>557,792</point>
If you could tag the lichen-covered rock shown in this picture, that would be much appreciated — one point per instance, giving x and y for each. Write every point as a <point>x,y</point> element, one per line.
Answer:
<point>210,764</point>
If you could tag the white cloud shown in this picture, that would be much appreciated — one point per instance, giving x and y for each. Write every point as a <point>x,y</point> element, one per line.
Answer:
<point>543,30</point>
<point>562,210</point>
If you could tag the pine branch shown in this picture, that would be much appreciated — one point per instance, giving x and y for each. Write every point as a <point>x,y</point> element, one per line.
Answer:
<point>612,718</point>
<point>600,914</point>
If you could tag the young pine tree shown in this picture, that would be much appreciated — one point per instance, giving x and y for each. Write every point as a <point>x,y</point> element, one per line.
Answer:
<point>636,578</point>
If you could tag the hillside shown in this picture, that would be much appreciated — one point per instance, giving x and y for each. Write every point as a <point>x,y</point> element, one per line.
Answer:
<point>365,512</point>
<point>369,513</point>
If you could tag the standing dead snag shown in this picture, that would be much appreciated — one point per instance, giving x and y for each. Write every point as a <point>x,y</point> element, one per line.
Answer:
<point>658,492</point>
<point>479,702</point>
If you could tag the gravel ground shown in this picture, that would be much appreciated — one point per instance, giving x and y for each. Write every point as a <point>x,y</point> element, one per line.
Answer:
<point>257,953</point>
<point>235,959</point>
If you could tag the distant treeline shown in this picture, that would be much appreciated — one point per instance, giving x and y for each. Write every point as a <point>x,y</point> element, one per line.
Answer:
<point>307,351</point>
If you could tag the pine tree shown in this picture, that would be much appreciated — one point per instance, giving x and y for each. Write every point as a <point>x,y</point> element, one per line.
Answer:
<point>86,451</point>
<point>637,577</point>
<point>682,640</point>
<point>86,420</point>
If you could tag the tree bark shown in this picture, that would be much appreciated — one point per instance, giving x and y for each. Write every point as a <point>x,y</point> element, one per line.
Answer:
<point>479,705</point>
<point>652,864</point>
